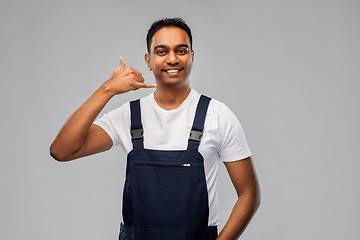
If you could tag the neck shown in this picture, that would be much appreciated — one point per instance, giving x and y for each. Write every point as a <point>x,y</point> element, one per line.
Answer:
<point>171,97</point>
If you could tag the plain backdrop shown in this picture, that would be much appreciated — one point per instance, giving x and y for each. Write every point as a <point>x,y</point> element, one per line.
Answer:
<point>289,70</point>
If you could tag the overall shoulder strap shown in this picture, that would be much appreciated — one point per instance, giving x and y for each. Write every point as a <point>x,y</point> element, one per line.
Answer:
<point>198,124</point>
<point>136,131</point>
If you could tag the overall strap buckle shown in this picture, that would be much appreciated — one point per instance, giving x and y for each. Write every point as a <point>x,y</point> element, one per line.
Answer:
<point>195,135</point>
<point>137,133</point>
<point>196,131</point>
<point>136,129</point>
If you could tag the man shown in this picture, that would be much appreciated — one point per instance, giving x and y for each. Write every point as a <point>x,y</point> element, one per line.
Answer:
<point>174,138</point>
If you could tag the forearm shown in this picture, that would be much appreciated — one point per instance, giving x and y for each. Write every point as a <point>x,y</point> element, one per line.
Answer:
<point>72,135</point>
<point>78,138</point>
<point>244,209</point>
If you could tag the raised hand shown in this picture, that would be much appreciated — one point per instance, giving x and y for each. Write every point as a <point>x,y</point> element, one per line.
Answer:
<point>125,79</point>
<point>79,137</point>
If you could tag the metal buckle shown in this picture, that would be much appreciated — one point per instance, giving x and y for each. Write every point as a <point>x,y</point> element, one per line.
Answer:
<point>136,133</point>
<point>195,135</point>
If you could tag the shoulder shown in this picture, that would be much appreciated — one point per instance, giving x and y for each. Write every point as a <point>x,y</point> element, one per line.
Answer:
<point>219,110</point>
<point>223,120</point>
<point>216,109</point>
<point>147,101</point>
<point>214,105</point>
<point>124,110</point>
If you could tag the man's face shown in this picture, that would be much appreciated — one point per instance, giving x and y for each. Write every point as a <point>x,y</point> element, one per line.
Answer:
<point>170,56</point>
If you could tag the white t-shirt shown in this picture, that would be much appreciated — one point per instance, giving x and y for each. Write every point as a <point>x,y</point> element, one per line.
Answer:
<point>223,137</point>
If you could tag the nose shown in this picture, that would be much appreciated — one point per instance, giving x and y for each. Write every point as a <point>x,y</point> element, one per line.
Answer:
<point>172,58</point>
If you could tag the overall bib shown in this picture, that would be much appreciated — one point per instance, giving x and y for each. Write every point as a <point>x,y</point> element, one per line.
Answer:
<point>165,195</point>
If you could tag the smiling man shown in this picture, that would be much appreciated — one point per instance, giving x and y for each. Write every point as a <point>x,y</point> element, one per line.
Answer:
<point>175,138</point>
<point>170,56</point>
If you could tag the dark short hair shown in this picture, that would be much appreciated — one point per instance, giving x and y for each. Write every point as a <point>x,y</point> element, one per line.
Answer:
<point>167,22</point>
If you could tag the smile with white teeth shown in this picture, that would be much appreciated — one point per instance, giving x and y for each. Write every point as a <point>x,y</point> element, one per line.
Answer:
<point>172,70</point>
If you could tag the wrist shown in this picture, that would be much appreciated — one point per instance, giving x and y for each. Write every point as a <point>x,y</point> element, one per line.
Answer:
<point>106,91</point>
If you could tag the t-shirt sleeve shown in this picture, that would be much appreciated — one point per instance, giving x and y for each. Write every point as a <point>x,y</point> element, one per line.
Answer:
<point>232,137</point>
<point>116,124</point>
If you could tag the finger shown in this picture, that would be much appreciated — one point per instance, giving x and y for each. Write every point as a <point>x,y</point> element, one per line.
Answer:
<point>122,62</point>
<point>131,70</point>
<point>146,85</point>
<point>140,79</point>
<point>137,72</point>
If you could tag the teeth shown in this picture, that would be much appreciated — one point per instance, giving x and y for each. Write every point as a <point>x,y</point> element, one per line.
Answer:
<point>172,70</point>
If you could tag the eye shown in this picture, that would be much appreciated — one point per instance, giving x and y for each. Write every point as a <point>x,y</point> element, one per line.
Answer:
<point>183,51</point>
<point>160,52</point>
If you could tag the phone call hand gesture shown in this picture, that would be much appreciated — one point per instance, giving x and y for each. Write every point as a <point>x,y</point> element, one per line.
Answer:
<point>125,79</point>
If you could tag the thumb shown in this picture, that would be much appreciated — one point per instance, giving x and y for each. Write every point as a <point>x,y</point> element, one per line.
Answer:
<point>122,62</point>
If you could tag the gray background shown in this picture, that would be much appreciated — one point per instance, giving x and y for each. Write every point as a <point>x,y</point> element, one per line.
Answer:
<point>288,69</point>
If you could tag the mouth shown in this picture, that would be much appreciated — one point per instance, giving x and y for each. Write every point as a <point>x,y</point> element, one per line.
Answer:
<point>172,70</point>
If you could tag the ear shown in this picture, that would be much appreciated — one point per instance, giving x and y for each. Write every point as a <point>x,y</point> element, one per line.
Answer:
<point>192,55</point>
<point>148,62</point>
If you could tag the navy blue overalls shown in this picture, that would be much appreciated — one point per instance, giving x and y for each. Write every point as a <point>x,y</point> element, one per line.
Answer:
<point>165,195</point>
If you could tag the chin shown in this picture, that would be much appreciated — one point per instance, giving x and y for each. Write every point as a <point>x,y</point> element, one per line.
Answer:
<point>175,83</point>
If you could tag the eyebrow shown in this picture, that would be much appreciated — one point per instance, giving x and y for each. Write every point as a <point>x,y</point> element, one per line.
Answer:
<point>177,46</point>
<point>160,46</point>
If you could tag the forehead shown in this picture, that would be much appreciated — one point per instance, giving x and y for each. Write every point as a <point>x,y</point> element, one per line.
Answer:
<point>170,37</point>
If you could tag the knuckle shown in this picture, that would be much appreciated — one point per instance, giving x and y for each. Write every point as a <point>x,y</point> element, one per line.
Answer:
<point>130,69</point>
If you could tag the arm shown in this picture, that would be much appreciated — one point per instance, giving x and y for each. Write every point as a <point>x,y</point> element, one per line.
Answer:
<point>79,137</point>
<point>243,177</point>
